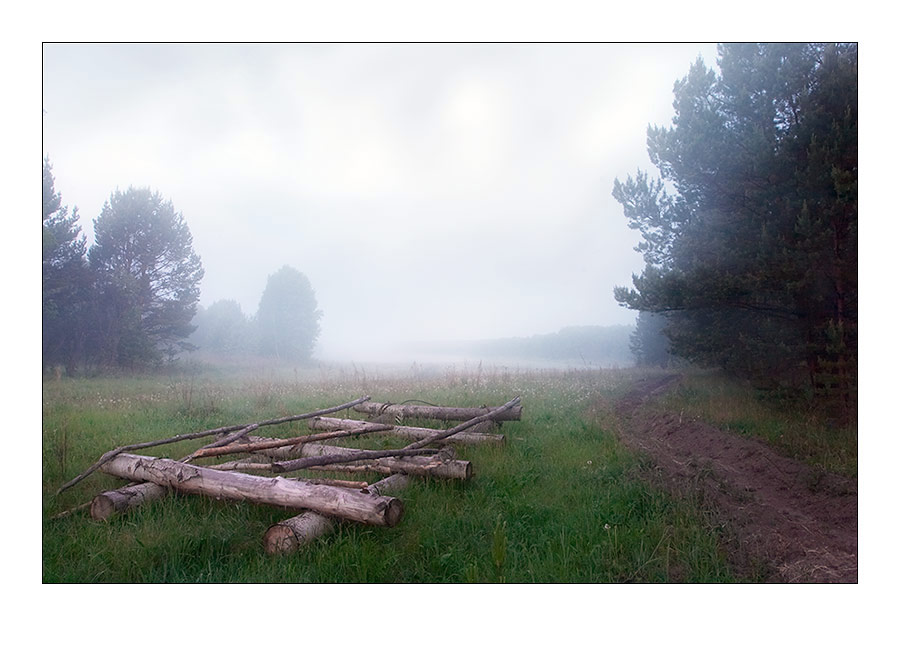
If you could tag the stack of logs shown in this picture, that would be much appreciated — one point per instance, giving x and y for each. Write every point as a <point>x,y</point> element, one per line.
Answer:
<point>323,500</point>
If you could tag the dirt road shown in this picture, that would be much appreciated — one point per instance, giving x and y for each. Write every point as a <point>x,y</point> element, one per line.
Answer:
<point>784,522</point>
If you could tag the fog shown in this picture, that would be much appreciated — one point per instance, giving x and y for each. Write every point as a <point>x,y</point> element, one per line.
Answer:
<point>430,193</point>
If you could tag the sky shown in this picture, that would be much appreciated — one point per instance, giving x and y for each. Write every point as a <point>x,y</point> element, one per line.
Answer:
<point>430,192</point>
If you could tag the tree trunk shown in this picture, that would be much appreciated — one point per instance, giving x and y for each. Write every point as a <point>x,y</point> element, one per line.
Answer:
<point>484,417</point>
<point>232,448</point>
<point>408,433</point>
<point>435,412</point>
<point>289,535</point>
<point>435,467</point>
<point>339,502</point>
<point>107,504</point>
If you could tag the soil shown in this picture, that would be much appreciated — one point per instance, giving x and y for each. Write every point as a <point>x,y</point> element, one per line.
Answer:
<point>781,520</point>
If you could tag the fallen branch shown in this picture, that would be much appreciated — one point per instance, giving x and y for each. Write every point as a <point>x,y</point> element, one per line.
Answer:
<point>223,442</point>
<point>71,511</point>
<point>201,434</point>
<point>213,451</point>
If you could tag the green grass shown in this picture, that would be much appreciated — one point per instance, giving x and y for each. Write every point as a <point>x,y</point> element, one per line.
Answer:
<point>734,406</point>
<point>561,502</point>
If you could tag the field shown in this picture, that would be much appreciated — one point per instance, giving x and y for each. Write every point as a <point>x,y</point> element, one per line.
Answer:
<point>562,501</point>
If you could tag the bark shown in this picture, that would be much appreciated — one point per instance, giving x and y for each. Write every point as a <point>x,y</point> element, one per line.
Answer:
<point>289,535</point>
<point>107,504</point>
<point>341,458</point>
<point>409,433</point>
<point>325,499</point>
<point>201,434</point>
<point>233,448</point>
<point>353,484</point>
<point>490,415</point>
<point>418,465</point>
<point>435,412</point>
<point>224,441</point>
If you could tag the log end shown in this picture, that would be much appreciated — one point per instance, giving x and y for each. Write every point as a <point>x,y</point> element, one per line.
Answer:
<point>102,508</point>
<point>393,513</point>
<point>280,539</point>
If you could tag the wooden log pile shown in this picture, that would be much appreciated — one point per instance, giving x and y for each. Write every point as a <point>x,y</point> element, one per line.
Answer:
<point>257,475</point>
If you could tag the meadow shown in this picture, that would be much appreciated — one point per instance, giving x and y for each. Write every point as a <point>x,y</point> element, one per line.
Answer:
<point>562,501</point>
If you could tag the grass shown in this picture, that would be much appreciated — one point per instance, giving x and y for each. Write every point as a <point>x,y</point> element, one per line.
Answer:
<point>795,432</point>
<point>561,502</point>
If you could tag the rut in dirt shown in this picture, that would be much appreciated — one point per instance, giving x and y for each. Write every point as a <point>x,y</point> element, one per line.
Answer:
<point>788,521</point>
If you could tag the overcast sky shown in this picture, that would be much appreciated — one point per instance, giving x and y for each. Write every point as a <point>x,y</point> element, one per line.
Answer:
<point>428,191</point>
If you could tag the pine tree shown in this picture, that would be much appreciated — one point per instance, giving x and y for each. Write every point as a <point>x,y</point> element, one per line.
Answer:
<point>749,232</point>
<point>148,278</point>
<point>65,279</point>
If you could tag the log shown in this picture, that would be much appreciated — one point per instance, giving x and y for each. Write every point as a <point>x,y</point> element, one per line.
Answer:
<point>289,535</point>
<point>490,415</point>
<point>482,427</point>
<point>342,458</point>
<point>107,504</point>
<point>289,493</point>
<point>409,433</point>
<point>201,434</point>
<point>222,442</point>
<point>232,448</point>
<point>455,414</point>
<point>418,465</point>
<point>353,484</point>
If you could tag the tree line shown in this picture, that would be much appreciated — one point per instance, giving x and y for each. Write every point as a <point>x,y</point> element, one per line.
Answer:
<point>749,231</point>
<point>130,300</point>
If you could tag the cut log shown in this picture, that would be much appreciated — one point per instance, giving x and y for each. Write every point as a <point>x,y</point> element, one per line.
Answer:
<point>435,467</point>
<point>455,469</point>
<point>290,493</point>
<point>342,458</point>
<point>483,427</point>
<point>455,414</point>
<point>353,484</point>
<point>107,504</point>
<point>232,448</point>
<point>490,415</point>
<point>408,433</point>
<point>291,534</point>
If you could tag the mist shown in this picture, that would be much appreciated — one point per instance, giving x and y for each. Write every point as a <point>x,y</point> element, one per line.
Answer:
<point>437,196</point>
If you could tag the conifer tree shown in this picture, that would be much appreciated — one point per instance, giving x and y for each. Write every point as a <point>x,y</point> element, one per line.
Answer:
<point>749,231</point>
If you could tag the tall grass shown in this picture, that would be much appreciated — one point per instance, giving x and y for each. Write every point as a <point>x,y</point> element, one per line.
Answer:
<point>561,501</point>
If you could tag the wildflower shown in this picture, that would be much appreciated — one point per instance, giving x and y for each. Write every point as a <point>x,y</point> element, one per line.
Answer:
<point>606,526</point>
